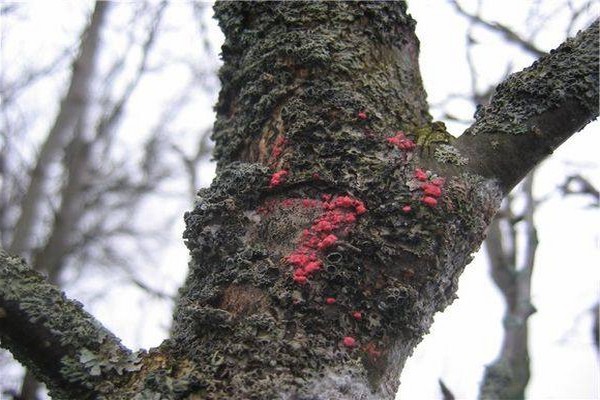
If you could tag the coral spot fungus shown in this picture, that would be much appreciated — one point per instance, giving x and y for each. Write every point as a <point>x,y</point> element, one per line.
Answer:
<point>431,190</point>
<point>401,141</point>
<point>278,178</point>
<point>278,148</point>
<point>357,315</point>
<point>349,341</point>
<point>431,187</point>
<point>438,181</point>
<point>330,300</point>
<point>335,221</point>
<point>362,115</point>
<point>430,201</point>
<point>421,175</point>
<point>406,208</point>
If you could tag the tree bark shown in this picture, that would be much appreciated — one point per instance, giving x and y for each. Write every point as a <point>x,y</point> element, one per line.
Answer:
<point>341,216</point>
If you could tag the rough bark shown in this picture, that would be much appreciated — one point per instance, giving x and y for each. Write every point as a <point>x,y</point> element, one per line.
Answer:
<point>61,344</point>
<point>329,239</point>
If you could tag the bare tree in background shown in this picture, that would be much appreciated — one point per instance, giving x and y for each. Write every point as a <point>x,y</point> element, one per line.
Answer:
<point>74,203</point>
<point>512,237</point>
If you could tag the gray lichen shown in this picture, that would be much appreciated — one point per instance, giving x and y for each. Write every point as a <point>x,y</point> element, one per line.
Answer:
<point>569,73</point>
<point>448,154</point>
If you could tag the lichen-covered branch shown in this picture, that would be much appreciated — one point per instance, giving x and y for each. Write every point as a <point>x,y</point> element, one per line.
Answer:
<point>63,345</point>
<point>534,111</point>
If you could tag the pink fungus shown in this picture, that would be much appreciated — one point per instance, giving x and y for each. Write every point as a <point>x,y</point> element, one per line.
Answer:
<point>349,341</point>
<point>357,315</point>
<point>312,266</point>
<point>343,201</point>
<point>430,201</point>
<point>298,259</point>
<point>326,197</point>
<point>278,178</point>
<point>323,226</point>
<point>330,300</point>
<point>278,146</point>
<point>438,181</point>
<point>431,190</point>
<point>361,209</point>
<point>314,242</point>
<point>316,176</point>
<point>362,115</point>
<point>328,241</point>
<point>401,141</point>
<point>300,272</point>
<point>406,208</point>
<point>300,279</point>
<point>420,174</point>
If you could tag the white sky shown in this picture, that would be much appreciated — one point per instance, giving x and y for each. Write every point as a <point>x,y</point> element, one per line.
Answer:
<point>467,335</point>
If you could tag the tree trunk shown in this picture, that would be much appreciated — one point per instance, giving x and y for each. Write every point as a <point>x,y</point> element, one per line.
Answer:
<point>341,216</point>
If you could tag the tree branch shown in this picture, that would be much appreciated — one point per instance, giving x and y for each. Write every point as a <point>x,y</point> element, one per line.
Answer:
<point>63,345</point>
<point>508,34</point>
<point>534,111</point>
<point>76,99</point>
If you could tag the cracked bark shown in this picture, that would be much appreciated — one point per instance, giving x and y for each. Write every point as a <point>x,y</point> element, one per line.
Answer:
<point>311,94</point>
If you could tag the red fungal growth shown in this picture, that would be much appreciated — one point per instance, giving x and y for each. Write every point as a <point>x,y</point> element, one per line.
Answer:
<point>312,266</point>
<point>361,209</point>
<point>328,241</point>
<point>323,226</point>
<point>401,141</point>
<point>278,147</point>
<point>431,190</point>
<point>357,315</point>
<point>300,279</point>
<point>407,208</point>
<point>349,341</point>
<point>316,176</point>
<point>278,178</point>
<point>421,175</point>
<point>350,218</point>
<point>330,300</point>
<point>430,201</point>
<point>338,215</point>
<point>438,181</point>
<point>362,115</point>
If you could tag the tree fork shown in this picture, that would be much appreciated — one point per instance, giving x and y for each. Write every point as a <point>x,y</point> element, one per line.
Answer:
<point>341,216</point>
